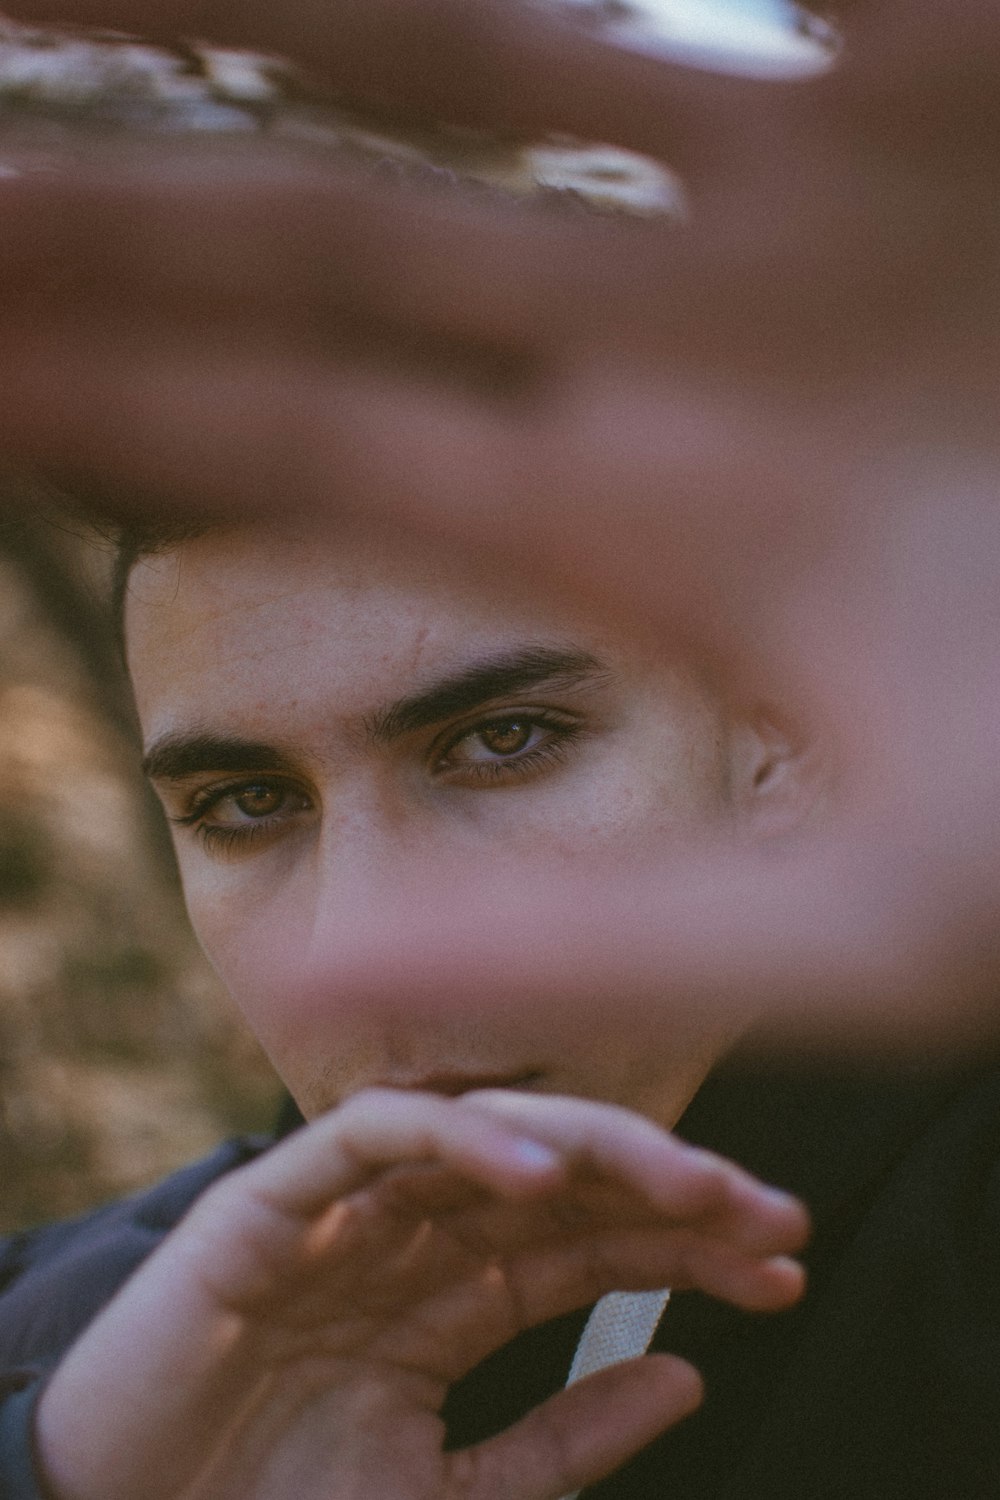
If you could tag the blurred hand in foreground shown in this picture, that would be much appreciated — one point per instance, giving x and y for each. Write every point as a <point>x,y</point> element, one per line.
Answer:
<point>297,1333</point>
<point>787,408</point>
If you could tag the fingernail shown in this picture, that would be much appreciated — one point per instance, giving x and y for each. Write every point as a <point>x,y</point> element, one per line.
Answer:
<point>751,38</point>
<point>778,1198</point>
<point>533,1154</point>
<point>793,1269</point>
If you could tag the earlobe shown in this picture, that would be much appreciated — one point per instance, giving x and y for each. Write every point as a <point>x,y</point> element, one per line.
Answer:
<point>774,773</point>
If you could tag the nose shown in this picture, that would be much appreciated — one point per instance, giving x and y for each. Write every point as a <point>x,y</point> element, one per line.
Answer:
<point>370,884</point>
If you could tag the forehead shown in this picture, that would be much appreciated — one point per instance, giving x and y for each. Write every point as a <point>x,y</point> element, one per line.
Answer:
<point>267,615</point>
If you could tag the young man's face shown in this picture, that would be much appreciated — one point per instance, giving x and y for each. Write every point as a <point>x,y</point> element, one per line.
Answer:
<point>325,721</point>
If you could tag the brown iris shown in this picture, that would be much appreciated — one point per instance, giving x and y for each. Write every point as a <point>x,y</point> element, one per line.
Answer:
<point>259,801</point>
<point>506,736</point>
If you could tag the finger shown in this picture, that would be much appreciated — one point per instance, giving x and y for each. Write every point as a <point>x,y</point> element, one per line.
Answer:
<point>955,59</point>
<point>166,429</point>
<point>869,938</point>
<point>528,67</point>
<point>768,1224</point>
<point>583,1433</point>
<point>540,1282</point>
<point>547,1281</point>
<point>295,1212</point>
<point>682,1183</point>
<point>252,233</point>
<point>205,237</point>
<point>185,422</point>
<point>416,1190</point>
<point>263,1206</point>
<point>508,53</point>
<point>382,1128</point>
<point>760,1286</point>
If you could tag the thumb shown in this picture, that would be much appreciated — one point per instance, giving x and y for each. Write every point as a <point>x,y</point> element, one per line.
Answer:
<point>585,1432</point>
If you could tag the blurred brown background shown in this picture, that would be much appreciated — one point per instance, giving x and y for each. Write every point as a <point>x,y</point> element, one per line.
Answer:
<point>120,1058</point>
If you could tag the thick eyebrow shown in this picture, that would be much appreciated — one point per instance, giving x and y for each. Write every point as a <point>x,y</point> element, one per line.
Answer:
<point>182,754</point>
<point>494,677</point>
<point>177,756</point>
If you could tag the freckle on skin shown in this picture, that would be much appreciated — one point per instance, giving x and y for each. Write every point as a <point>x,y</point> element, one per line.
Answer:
<point>346,637</point>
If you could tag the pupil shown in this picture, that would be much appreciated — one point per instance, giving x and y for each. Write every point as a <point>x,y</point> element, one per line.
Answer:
<point>506,739</point>
<point>258,800</point>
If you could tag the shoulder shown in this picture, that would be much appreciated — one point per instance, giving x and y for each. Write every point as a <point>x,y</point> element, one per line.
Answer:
<point>953,1171</point>
<point>894,1389</point>
<point>55,1279</point>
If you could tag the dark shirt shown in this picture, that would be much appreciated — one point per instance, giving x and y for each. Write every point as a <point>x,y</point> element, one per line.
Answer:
<point>883,1384</point>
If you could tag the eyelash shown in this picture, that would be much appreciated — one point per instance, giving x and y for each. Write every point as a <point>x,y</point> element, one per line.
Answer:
<point>242,837</point>
<point>551,751</point>
<point>239,837</point>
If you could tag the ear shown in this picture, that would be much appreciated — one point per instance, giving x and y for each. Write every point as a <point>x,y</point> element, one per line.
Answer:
<point>775,773</point>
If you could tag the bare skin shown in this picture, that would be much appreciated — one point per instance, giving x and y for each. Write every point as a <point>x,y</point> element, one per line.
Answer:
<point>298,1332</point>
<point>336,724</point>
<point>193,371</point>
<point>809,371</point>
<point>323,720</point>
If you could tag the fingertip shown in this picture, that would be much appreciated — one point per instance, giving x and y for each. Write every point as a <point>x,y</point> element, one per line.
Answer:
<point>794,1273</point>
<point>520,1166</point>
<point>686,1385</point>
<point>790,1207</point>
<point>783,1285</point>
<point>763,1218</point>
<point>789,1219</point>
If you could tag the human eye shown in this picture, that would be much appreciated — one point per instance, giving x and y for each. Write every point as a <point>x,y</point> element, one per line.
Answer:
<point>506,748</point>
<point>236,815</point>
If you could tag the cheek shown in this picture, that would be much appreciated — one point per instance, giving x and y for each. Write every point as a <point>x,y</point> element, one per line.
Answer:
<point>281,953</point>
<point>259,962</point>
<point>250,937</point>
<point>656,788</point>
<point>678,772</point>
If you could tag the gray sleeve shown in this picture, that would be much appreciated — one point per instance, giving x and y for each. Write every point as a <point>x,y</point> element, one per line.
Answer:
<point>54,1281</point>
<point>19,1477</point>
